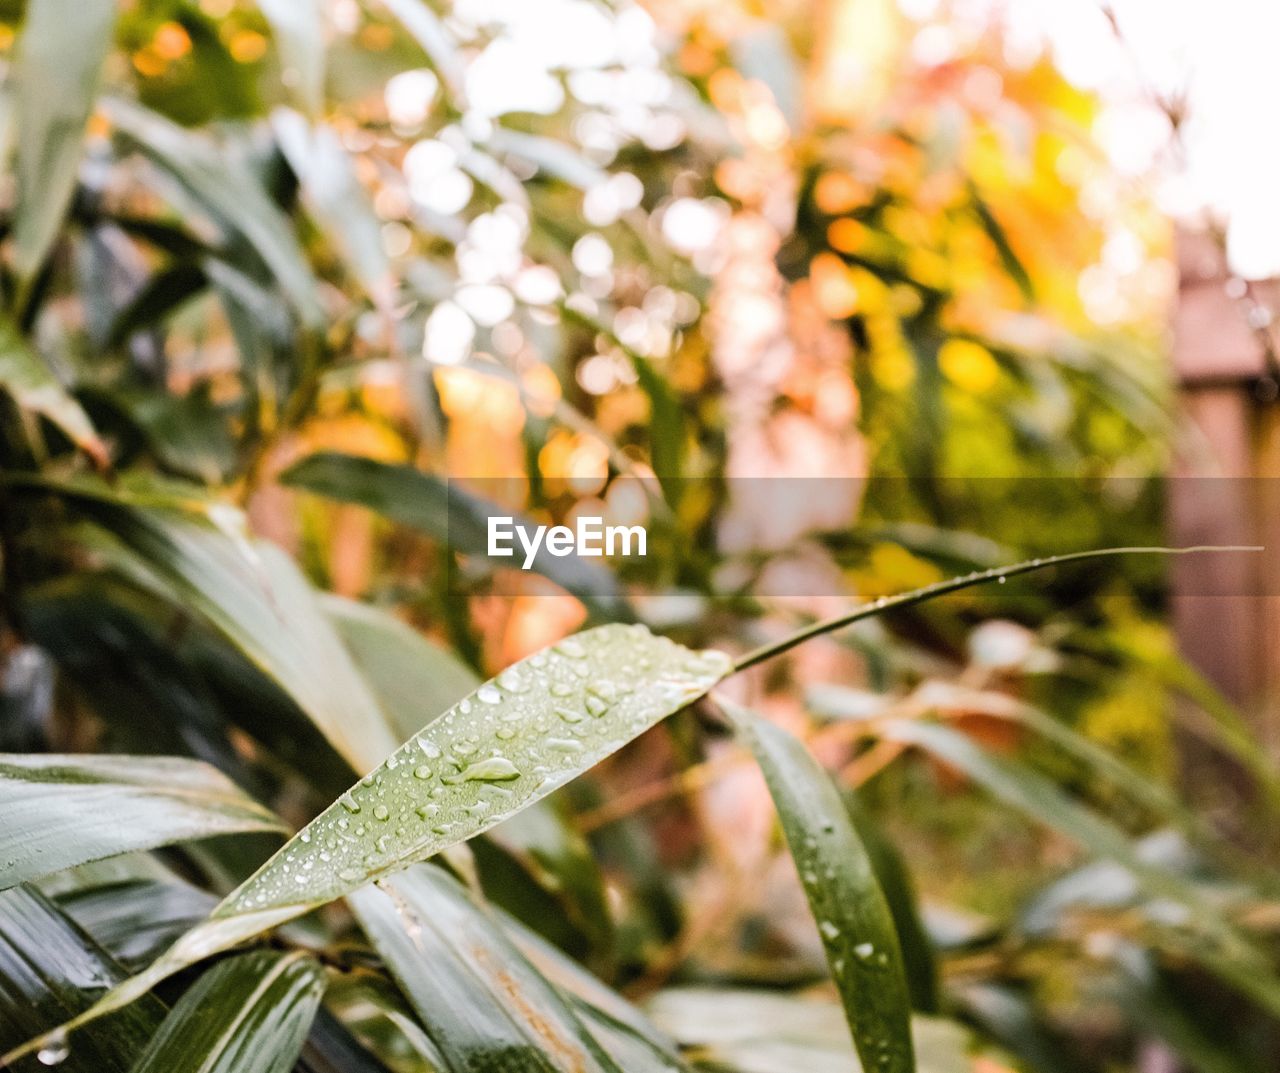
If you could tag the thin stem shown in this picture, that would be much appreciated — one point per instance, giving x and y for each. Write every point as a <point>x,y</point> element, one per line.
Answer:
<point>955,584</point>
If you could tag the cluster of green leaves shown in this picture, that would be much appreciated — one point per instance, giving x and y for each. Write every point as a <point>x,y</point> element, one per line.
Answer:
<point>436,907</point>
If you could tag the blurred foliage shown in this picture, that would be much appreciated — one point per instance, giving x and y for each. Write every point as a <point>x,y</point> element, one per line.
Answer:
<point>298,293</point>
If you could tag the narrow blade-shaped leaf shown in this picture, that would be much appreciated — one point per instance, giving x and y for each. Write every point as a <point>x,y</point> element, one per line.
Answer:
<point>450,515</point>
<point>50,971</point>
<point>540,723</point>
<point>299,30</point>
<point>61,52</point>
<point>1213,940</point>
<point>412,676</point>
<point>230,192</point>
<point>853,917</point>
<point>60,811</point>
<point>482,1003</point>
<point>136,919</point>
<point>249,1014</point>
<point>29,382</point>
<point>253,594</point>
<point>335,198</point>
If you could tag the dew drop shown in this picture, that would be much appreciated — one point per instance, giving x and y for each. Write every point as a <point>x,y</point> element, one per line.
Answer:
<point>564,745</point>
<point>428,810</point>
<point>422,772</point>
<point>350,875</point>
<point>571,648</point>
<point>864,950</point>
<point>429,747</point>
<point>596,706</point>
<point>569,715</point>
<point>349,802</point>
<point>491,769</point>
<point>489,694</point>
<point>55,1051</point>
<point>513,680</point>
<point>381,812</point>
<point>829,931</point>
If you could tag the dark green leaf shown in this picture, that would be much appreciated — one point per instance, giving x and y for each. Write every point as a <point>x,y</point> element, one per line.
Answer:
<point>26,378</point>
<point>49,972</point>
<point>230,191</point>
<point>446,512</point>
<point>249,1014</point>
<point>853,917</point>
<point>482,1003</point>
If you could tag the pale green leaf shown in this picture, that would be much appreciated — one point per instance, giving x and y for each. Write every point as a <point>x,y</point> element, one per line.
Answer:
<point>59,811</point>
<point>517,738</point>
<point>298,26</point>
<point>60,57</point>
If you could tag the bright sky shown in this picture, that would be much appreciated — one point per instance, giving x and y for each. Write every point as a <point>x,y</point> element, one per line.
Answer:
<point>1221,54</point>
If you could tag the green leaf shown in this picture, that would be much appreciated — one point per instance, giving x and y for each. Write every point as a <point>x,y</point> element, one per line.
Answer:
<point>227,188</point>
<point>483,1005</point>
<point>136,919</point>
<point>449,514</point>
<point>59,811</point>
<point>160,296</point>
<point>60,57</point>
<point>410,674</point>
<point>513,741</point>
<point>853,917</point>
<point>28,381</point>
<point>335,197</point>
<point>775,1032</point>
<point>298,26</point>
<point>50,971</point>
<point>1208,937</point>
<point>249,1014</point>
<point>540,723</point>
<point>252,593</point>
<point>895,880</point>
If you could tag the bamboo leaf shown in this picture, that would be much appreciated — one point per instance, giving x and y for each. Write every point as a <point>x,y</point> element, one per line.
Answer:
<point>136,919</point>
<point>252,593</point>
<point>222,184</point>
<point>483,1005</point>
<point>337,200</point>
<point>447,513</point>
<point>850,909</point>
<point>299,29</point>
<point>61,52</point>
<point>539,724</point>
<point>28,381</point>
<point>249,1014</point>
<point>49,971</point>
<point>60,811</point>
<point>410,674</point>
<point>1209,938</point>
